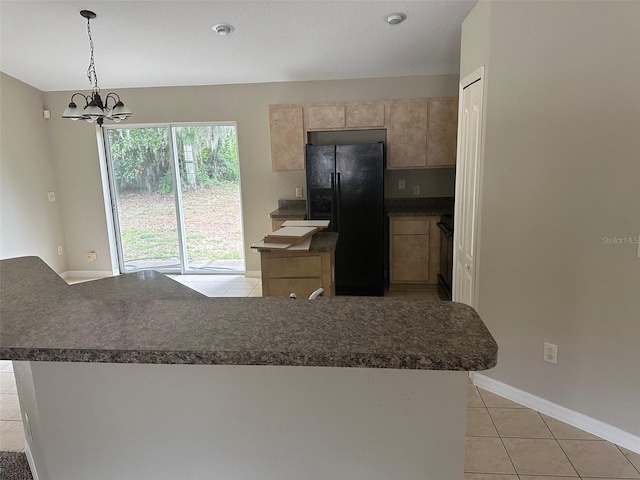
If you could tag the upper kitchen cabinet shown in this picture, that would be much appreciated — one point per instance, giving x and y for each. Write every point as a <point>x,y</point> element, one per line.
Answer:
<point>442,132</point>
<point>325,117</point>
<point>344,115</point>
<point>365,114</point>
<point>407,133</point>
<point>287,137</point>
<point>421,132</point>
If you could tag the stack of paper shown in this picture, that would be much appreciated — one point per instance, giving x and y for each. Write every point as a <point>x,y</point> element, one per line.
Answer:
<point>291,235</point>
<point>295,235</point>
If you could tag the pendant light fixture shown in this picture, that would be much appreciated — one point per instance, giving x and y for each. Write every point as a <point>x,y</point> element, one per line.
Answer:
<point>94,109</point>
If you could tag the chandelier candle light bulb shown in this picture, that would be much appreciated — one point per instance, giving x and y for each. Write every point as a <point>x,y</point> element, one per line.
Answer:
<point>94,109</point>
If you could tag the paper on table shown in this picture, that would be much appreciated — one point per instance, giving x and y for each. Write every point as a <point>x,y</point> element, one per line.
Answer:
<point>306,223</point>
<point>270,246</point>
<point>303,246</point>
<point>291,235</point>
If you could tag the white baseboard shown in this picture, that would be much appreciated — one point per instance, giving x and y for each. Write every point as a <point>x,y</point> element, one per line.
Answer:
<point>32,465</point>
<point>566,415</point>
<point>84,275</point>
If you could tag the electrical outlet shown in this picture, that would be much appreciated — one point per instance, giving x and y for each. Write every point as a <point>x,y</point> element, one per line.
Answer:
<point>51,196</point>
<point>298,192</point>
<point>91,256</point>
<point>401,184</point>
<point>550,353</point>
<point>416,189</point>
<point>60,250</point>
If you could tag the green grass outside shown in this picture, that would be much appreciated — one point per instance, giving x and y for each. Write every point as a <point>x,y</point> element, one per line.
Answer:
<point>212,223</point>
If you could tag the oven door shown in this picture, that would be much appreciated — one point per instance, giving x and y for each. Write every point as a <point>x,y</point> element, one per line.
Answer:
<point>445,276</point>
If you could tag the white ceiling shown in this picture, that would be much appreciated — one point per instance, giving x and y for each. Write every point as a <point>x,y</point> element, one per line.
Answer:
<point>164,43</point>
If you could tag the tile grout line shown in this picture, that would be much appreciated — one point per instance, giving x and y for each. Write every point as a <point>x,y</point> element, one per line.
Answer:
<point>583,440</point>
<point>637,469</point>
<point>556,440</point>
<point>500,437</point>
<point>565,454</point>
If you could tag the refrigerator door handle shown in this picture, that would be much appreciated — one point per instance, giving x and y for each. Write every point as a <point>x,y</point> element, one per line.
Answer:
<point>339,202</point>
<point>333,202</point>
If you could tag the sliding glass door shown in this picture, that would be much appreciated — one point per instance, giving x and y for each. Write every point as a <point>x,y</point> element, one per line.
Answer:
<point>175,193</point>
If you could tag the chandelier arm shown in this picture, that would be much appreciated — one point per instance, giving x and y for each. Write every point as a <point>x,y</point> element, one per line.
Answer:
<point>85,97</point>
<point>113,96</point>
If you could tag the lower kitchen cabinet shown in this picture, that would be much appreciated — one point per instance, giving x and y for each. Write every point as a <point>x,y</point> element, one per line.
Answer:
<point>414,251</point>
<point>301,273</point>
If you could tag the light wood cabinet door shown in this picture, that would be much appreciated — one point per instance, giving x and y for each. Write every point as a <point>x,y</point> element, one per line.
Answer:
<point>326,117</point>
<point>297,272</point>
<point>302,287</point>
<point>410,259</point>
<point>410,226</point>
<point>295,266</point>
<point>407,134</point>
<point>287,137</point>
<point>442,132</point>
<point>410,256</point>
<point>365,114</point>
<point>414,251</point>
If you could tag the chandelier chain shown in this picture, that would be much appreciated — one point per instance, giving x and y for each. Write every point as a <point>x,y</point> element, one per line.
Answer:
<point>91,71</point>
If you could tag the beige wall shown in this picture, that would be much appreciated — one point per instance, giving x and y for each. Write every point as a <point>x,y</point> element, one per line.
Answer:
<point>475,39</point>
<point>76,158</point>
<point>562,173</point>
<point>29,223</point>
<point>433,182</point>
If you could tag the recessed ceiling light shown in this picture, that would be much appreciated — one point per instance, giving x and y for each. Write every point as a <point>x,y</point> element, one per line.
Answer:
<point>223,29</point>
<point>395,18</point>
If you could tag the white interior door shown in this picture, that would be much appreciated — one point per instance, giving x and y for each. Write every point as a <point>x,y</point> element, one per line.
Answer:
<point>467,188</point>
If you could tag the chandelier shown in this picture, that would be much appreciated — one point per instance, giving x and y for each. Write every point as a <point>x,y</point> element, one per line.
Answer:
<point>95,110</point>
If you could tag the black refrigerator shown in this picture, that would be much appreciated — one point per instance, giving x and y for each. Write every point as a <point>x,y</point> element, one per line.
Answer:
<point>345,184</point>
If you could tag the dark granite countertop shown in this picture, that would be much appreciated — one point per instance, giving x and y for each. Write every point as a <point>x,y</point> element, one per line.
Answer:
<point>290,208</point>
<point>138,286</point>
<point>118,320</point>
<point>406,206</point>
<point>416,207</point>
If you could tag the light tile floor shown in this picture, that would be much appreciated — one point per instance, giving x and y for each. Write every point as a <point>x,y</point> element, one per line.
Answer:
<point>505,440</point>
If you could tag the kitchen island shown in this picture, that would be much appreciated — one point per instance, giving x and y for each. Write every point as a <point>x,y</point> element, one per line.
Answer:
<point>301,272</point>
<point>145,385</point>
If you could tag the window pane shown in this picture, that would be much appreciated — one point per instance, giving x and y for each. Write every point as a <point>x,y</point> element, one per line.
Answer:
<point>210,185</point>
<point>143,179</point>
